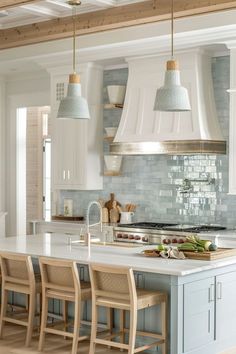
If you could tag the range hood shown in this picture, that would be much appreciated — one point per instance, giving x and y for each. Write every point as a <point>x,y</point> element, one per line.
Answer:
<point>143,131</point>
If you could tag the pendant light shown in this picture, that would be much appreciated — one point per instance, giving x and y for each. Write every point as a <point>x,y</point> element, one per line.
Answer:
<point>74,105</point>
<point>172,97</point>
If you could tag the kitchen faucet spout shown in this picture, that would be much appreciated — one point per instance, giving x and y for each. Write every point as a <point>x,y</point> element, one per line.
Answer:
<point>88,225</point>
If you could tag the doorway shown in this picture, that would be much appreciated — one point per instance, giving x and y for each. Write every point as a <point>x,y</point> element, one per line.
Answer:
<point>33,166</point>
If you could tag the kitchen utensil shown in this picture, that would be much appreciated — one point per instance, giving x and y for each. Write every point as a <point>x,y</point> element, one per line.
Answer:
<point>67,218</point>
<point>126,217</point>
<point>109,205</point>
<point>101,202</point>
<point>105,215</point>
<point>210,256</point>
<point>114,215</point>
<point>116,94</point>
<point>130,207</point>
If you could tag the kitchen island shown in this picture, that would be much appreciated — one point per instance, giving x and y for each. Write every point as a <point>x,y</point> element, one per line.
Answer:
<point>202,306</point>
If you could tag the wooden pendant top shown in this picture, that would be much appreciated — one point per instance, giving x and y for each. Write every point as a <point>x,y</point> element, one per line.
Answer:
<point>172,65</point>
<point>74,79</point>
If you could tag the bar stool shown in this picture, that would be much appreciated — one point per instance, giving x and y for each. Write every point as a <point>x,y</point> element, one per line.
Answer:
<point>115,288</point>
<point>18,276</point>
<point>60,280</point>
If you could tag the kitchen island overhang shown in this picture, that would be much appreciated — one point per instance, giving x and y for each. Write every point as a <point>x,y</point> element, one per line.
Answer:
<point>202,306</point>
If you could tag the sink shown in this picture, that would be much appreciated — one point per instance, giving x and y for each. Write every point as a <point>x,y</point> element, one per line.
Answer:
<point>97,242</point>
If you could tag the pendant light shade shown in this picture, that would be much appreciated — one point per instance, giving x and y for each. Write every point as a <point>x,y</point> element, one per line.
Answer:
<point>74,105</point>
<point>172,97</point>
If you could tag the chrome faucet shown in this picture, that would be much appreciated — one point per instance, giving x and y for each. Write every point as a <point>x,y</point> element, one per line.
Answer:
<point>88,225</point>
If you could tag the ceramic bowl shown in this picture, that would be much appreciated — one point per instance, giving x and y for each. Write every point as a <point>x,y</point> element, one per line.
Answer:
<point>110,131</point>
<point>116,94</point>
<point>113,163</point>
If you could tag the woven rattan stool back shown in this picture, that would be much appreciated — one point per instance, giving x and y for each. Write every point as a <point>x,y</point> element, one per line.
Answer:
<point>59,274</point>
<point>112,282</point>
<point>17,268</point>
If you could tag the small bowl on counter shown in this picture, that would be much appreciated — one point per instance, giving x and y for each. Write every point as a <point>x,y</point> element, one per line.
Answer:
<point>111,131</point>
<point>113,162</point>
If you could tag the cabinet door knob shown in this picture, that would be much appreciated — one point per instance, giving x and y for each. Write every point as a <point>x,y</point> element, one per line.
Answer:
<point>68,174</point>
<point>64,174</point>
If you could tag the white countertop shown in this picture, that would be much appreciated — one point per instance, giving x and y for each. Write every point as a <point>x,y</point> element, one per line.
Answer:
<point>55,245</point>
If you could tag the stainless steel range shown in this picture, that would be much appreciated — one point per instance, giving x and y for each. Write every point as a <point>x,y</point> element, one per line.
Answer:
<point>153,233</point>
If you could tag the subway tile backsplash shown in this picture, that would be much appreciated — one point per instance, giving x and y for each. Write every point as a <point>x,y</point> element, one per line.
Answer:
<point>155,183</point>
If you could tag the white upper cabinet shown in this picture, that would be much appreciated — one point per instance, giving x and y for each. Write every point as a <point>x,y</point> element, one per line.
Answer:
<point>77,144</point>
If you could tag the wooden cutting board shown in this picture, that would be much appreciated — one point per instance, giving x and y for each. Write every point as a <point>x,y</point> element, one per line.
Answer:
<point>67,218</point>
<point>211,256</point>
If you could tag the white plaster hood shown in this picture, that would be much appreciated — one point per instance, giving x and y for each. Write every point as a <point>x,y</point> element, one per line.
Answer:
<point>144,131</point>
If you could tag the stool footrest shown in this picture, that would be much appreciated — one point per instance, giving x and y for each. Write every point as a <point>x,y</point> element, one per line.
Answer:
<point>146,334</point>
<point>109,343</point>
<point>15,321</point>
<point>148,346</point>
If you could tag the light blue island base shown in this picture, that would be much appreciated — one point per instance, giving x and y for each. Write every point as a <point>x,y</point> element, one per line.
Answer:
<point>202,294</point>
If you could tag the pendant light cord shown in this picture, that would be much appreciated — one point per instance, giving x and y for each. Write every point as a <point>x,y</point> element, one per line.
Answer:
<point>74,38</point>
<point>172,29</point>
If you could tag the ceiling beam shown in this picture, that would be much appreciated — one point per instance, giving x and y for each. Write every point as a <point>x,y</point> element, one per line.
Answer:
<point>6,4</point>
<point>108,19</point>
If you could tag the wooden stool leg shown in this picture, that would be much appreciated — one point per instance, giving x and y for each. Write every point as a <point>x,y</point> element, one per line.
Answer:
<point>93,328</point>
<point>132,330</point>
<point>122,326</point>
<point>110,319</point>
<point>39,310</point>
<point>164,326</point>
<point>65,315</point>
<point>43,322</point>
<point>31,298</point>
<point>76,327</point>
<point>3,310</point>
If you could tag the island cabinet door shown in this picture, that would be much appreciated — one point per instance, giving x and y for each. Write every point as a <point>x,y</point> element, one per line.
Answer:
<point>225,306</point>
<point>199,313</point>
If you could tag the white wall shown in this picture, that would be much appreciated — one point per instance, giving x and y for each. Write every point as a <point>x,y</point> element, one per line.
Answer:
<point>2,144</point>
<point>30,90</point>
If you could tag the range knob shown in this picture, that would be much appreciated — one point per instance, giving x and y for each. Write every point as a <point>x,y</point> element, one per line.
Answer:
<point>136,237</point>
<point>166,241</point>
<point>180,240</point>
<point>125,236</point>
<point>131,237</point>
<point>145,239</point>
<point>119,236</point>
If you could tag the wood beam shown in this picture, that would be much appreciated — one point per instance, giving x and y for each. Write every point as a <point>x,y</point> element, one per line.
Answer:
<point>108,19</point>
<point>6,4</point>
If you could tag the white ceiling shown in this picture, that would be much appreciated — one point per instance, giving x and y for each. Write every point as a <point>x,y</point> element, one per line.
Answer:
<point>48,9</point>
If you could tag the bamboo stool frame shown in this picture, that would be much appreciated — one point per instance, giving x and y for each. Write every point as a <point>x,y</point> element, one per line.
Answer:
<point>18,276</point>
<point>60,280</point>
<point>115,288</point>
